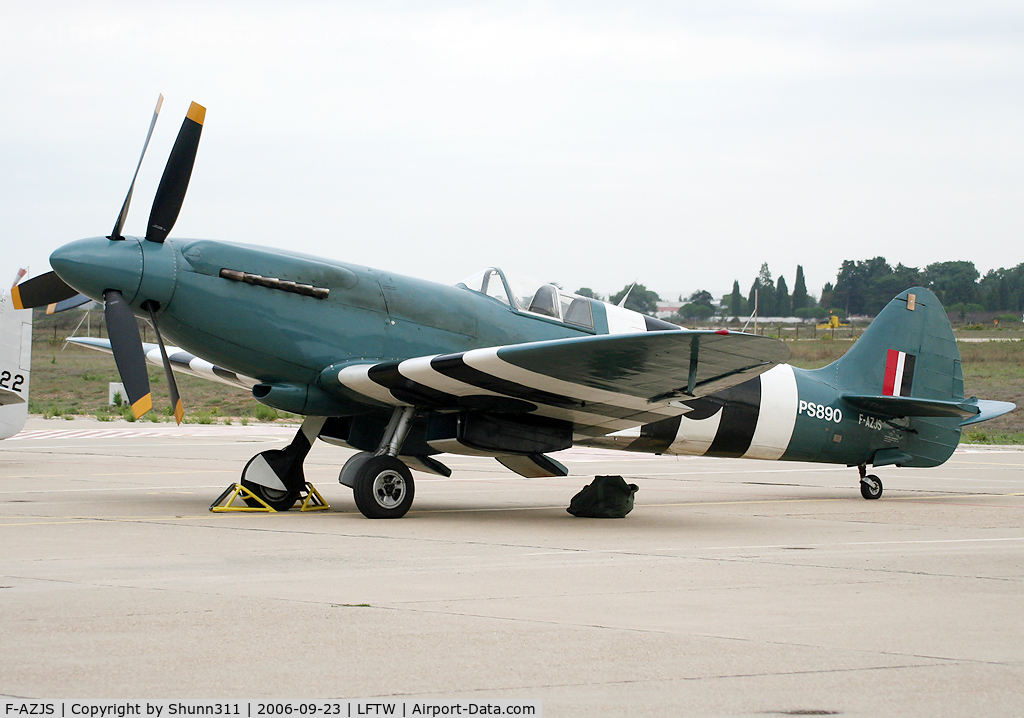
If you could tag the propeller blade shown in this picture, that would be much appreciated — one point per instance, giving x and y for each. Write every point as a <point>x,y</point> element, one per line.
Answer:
<point>42,290</point>
<point>127,347</point>
<point>119,225</point>
<point>172,386</point>
<point>174,182</point>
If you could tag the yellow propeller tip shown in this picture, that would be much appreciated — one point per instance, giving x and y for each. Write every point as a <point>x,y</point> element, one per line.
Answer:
<point>196,113</point>
<point>142,406</point>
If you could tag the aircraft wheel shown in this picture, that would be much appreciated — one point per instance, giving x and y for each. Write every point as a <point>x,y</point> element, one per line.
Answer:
<point>275,498</point>
<point>871,487</point>
<point>383,488</point>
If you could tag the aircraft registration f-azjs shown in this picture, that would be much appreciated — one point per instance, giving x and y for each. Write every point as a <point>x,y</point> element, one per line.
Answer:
<point>404,370</point>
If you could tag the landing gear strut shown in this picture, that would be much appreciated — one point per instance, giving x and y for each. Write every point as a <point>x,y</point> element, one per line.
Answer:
<point>382,484</point>
<point>870,485</point>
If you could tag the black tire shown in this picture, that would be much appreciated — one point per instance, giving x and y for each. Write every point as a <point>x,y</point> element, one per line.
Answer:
<point>275,498</point>
<point>384,488</point>
<point>871,487</point>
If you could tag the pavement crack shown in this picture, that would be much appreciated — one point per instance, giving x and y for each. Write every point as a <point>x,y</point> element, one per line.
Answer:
<point>659,681</point>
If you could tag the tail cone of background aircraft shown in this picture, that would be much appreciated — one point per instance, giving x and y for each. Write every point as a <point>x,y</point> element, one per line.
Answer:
<point>112,267</point>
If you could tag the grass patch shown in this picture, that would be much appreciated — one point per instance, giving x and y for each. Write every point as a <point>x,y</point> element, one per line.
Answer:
<point>74,381</point>
<point>817,353</point>
<point>1000,438</point>
<point>265,413</point>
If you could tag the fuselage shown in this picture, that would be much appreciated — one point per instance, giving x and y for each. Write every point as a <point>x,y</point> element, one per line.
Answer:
<point>787,414</point>
<point>277,333</point>
<point>285,319</point>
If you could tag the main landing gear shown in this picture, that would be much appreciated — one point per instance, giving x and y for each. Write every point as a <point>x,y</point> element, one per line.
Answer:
<point>381,483</point>
<point>870,485</point>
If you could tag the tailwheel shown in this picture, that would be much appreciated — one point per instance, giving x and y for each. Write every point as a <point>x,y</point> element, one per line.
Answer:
<point>870,487</point>
<point>275,498</point>
<point>383,488</point>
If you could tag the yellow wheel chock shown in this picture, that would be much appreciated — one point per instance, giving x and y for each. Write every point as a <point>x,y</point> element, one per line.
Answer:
<point>310,497</point>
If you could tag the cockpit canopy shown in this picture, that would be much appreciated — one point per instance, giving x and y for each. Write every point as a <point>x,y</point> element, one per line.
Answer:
<point>533,296</point>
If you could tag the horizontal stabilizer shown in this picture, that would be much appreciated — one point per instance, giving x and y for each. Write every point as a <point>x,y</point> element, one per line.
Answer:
<point>988,410</point>
<point>899,406</point>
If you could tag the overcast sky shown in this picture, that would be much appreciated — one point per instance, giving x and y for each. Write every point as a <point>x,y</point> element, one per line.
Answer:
<point>588,143</point>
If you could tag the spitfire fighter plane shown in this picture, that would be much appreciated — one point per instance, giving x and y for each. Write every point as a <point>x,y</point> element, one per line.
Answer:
<point>404,370</point>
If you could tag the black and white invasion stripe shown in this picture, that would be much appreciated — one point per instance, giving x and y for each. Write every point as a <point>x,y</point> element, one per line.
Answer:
<point>470,379</point>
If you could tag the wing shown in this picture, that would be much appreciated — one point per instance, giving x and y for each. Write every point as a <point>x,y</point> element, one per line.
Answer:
<point>600,384</point>
<point>181,361</point>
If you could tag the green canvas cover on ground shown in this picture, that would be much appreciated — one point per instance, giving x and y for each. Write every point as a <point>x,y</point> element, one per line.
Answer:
<point>606,497</point>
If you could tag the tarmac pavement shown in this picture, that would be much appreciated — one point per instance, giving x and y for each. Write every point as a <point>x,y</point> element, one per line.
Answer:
<point>733,588</point>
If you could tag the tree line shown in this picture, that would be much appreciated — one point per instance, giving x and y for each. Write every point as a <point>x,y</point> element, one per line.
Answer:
<point>862,287</point>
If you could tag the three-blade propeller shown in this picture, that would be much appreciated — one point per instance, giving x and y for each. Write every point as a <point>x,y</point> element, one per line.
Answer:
<point>50,289</point>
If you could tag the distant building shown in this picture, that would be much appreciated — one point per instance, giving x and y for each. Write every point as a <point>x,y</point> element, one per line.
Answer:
<point>667,309</point>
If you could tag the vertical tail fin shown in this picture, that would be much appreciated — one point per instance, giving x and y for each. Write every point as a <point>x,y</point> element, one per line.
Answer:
<point>908,350</point>
<point>907,353</point>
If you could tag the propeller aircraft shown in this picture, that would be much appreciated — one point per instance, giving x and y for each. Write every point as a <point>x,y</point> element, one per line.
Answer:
<point>16,357</point>
<point>404,369</point>
<point>15,364</point>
